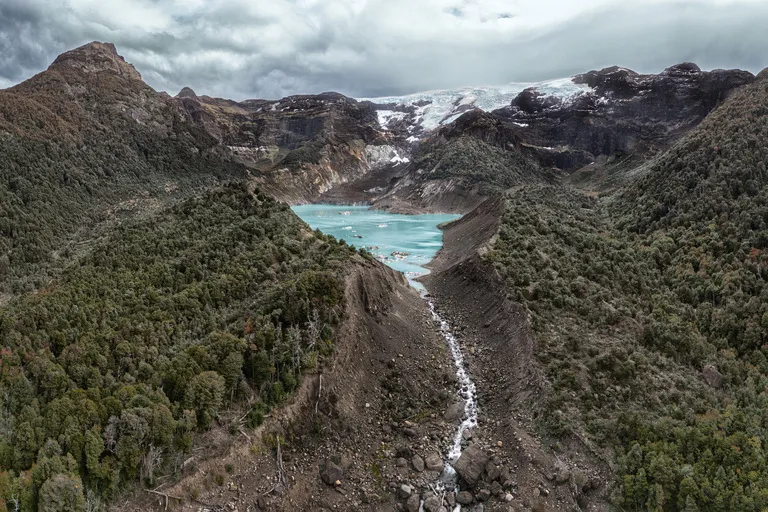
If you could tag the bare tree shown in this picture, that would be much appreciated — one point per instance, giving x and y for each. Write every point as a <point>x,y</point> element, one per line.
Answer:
<point>150,462</point>
<point>111,433</point>
<point>92,501</point>
<point>313,329</point>
<point>294,337</point>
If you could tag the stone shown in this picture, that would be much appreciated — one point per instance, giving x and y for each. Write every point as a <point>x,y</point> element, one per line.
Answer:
<point>418,463</point>
<point>496,489</point>
<point>562,476</point>
<point>434,462</point>
<point>413,504</point>
<point>401,462</point>
<point>454,413</point>
<point>464,498</point>
<point>508,498</point>
<point>467,435</point>
<point>433,504</point>
<point>713,377</point>
<point>331,473</point>
<point>471,464</point>
<point>483,495</point>
<point>492,471</point>
<point>404,491</point>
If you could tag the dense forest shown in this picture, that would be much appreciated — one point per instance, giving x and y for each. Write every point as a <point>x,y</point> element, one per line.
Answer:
<point>81,150</point>
<point>480,151</point>
<point>106,374</point>
<point>651,308</point>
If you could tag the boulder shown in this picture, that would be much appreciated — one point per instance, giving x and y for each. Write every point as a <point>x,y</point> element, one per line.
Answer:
<point>404,491</point>
<point>418,463</point>
<point>464,498</point>
<point>484,495</point>
<point>471,464</point>
<point>713,377</point>
<point>433,504</point>
<point>454,413</point>
<point>492,471</point>
<point>413,504</point>
<point>330,472</point>
<point>434,462</point>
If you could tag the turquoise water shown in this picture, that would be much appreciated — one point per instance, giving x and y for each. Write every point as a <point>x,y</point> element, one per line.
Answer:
<point>404,242</point>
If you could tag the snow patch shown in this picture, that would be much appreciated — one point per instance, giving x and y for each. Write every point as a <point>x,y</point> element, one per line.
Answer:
<point>386,116</point>
<point>380,156</point>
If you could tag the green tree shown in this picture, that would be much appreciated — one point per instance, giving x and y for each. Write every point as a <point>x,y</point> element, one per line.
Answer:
<point>205,394</point>
<point>62,493</point>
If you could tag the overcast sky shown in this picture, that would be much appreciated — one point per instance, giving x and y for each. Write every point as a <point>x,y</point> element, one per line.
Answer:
<point>271,48</point>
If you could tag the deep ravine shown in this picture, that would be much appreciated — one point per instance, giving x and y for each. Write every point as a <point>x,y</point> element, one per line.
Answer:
<point>407,243</point>
<point>467,392</point>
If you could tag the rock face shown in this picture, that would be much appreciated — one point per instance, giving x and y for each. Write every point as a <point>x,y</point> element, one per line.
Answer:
<point>624,111</point>
<point>471,464</point>
<point>97,57</point>
<point>299,146</point>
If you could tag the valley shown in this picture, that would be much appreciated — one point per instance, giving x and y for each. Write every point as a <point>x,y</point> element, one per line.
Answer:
<point>535,297</point>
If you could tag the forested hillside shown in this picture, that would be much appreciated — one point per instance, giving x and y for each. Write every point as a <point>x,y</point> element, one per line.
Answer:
<point>166,325</point>
<point>651,311</point>
<point>478,150</point>
<point>81,147</point>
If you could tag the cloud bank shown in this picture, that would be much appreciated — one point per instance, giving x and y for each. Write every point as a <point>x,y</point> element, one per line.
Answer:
<point>271,48</point>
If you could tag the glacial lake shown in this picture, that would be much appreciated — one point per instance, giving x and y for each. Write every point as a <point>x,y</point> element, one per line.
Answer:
<point>404,242</point>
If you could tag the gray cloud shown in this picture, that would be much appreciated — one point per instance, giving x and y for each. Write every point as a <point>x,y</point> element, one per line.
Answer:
<point>242,49</point>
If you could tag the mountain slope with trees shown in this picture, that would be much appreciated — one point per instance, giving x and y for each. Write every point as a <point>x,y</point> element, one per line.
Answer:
<point>169,322</point>
<point>83,144</point>
<point>650,311</point>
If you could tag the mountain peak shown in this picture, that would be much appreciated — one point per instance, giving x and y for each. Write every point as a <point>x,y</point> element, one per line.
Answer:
<point>97,57</point>
<point>187,92</point>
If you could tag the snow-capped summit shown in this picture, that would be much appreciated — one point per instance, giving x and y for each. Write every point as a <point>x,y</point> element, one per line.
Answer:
<point>424,111</point>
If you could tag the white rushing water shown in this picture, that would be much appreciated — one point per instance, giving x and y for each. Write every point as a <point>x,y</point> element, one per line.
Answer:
<point>467,390</point>
<point>468,393</point>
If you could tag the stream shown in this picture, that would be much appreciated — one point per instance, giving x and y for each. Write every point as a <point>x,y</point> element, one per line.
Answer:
<point>406,243</point>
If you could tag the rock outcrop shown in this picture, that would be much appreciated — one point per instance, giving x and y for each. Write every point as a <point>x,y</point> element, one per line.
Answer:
<point>624,111</point>
<point>299,146</point>
<point>97,57</point>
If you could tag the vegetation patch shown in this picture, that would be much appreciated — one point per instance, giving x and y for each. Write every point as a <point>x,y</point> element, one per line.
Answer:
<point>106,375</point>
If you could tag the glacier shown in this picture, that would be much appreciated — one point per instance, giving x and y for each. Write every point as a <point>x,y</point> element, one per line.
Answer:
<point>436,108</point>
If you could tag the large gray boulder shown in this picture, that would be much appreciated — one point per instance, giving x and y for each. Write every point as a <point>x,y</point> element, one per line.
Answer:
<point>471,464</point>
